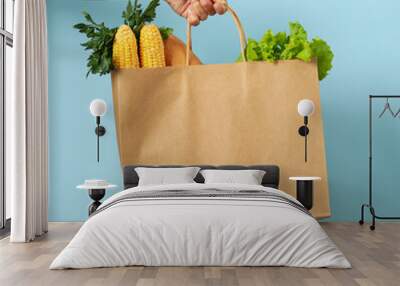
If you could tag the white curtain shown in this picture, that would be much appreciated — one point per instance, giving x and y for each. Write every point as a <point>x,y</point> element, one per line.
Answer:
<point>27,123</point>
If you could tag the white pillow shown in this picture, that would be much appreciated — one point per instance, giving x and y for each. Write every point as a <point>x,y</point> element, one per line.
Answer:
<point>165,176</point>
<point>248,177</point>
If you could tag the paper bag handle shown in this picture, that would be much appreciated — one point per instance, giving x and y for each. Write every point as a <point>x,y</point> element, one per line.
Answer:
<point>239,26</point>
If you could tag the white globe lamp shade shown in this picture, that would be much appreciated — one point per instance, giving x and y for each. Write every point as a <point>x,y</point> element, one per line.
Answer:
<point>305,107</point>
<point>98,107</point>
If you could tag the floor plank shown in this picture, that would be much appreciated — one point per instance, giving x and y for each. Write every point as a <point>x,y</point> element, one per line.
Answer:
<point>375,257</point>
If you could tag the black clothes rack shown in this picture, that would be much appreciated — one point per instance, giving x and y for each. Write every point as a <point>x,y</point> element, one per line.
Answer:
<point>370,189</point>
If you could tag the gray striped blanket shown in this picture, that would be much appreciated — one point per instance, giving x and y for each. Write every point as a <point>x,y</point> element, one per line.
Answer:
<point>205,194</point>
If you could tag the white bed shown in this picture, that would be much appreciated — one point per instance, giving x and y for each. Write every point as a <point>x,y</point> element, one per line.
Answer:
<point>202,231</point>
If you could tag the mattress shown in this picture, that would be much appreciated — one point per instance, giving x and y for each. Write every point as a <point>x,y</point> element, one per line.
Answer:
<point>201,225</point>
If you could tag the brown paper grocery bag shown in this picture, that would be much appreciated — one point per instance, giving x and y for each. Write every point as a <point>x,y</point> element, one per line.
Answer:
<point>242,113</point>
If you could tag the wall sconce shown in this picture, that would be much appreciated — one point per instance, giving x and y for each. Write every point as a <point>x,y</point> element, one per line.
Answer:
<point>305,108</point>
<point>98,108</point>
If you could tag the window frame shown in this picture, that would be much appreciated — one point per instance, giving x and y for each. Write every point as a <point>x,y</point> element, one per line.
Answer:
<point>6,39</point>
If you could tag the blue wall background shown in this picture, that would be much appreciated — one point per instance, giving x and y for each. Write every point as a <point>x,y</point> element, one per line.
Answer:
<point>364,35</point>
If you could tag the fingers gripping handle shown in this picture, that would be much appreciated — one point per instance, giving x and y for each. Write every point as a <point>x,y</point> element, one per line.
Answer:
<point>239,26</point>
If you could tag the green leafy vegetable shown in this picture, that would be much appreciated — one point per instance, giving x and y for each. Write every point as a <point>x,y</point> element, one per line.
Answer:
<point>135,17</point>
<point>281,46</point>
<point>281,40</point>
<point>165,32</point>
<point>131,15</point>
<point>298,46</point>
<point>306,54</point>
<point>267,46</point>
<point>324,55</point>
<point>253,52</point>
<point>272,45</point>
<point>100,38</point>
<point>297,31</point>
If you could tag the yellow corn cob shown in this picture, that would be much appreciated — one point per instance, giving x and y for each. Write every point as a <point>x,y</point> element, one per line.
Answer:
<point>151,47</point>
<point>125,54</point>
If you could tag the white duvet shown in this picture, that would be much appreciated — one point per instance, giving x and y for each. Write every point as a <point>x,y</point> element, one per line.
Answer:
<point>200,231</point>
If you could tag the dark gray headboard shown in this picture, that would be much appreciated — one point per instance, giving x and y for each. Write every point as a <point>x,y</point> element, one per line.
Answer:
<point>271,178</point>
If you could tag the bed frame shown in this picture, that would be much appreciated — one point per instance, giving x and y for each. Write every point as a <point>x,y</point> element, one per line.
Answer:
<point>270,179</point>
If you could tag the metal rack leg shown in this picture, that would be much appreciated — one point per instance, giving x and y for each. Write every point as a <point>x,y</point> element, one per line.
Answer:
<point>372,210</point>
<point>374,216</point>
<point>361,221</point>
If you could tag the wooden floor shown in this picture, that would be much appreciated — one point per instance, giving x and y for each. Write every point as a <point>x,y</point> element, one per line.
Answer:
<point>375,257</point>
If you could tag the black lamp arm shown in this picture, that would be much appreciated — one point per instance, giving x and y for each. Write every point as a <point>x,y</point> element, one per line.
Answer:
<point>303,131</point>
<point>100,131</point>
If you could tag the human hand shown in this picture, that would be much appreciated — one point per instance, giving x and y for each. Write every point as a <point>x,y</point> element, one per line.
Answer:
<point>198,10</point>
